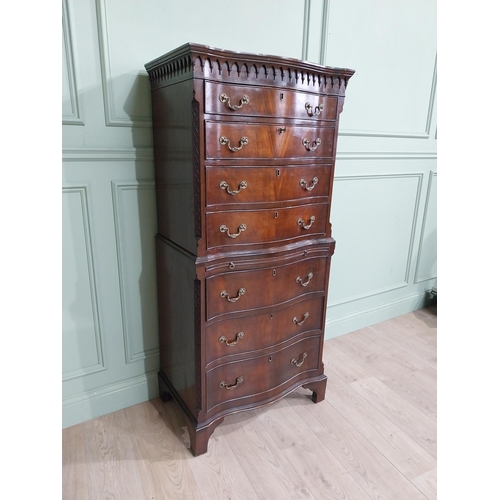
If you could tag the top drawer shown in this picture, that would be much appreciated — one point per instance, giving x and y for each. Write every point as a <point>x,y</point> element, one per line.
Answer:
<point>223,98</point>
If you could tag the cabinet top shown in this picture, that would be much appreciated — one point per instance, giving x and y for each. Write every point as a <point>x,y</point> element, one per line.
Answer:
<point>201,61</point>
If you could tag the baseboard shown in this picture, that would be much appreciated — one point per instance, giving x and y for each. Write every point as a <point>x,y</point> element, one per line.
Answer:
<point>108,399</point>
<point>361,319</point>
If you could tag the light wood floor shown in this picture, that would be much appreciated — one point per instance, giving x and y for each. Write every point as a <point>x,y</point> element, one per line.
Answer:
<point>374,436</point>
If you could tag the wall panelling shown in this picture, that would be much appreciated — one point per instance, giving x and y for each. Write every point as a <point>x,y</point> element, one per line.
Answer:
<point>384,208</point>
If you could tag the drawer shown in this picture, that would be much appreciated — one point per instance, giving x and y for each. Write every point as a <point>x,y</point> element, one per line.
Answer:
<point>244,100</point>
<point>261,331</point>
<point>247,227</point>
<point>235,291</point>
<point>266,184</point>
<point>236,140</point>
<point>253,378</point>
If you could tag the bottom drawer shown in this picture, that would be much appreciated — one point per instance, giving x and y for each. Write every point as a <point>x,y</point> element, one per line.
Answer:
<point>249,380</point>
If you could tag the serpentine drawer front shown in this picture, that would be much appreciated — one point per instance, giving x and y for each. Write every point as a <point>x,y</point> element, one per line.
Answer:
<point>233,291</point>
<point>254,377</point>
<point>231,140</point>
<point>247,227</point>
<point>244,168</point>
<point>268,101</point>
<point>263,330</point>
<point>251,185</point>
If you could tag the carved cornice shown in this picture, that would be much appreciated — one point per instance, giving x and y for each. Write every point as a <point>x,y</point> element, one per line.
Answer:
<point>201,61</point>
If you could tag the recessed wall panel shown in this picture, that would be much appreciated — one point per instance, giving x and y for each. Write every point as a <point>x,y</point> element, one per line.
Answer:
<point>373,222</point>
<point>427,255</point>
<point>266,27</point>
<point>392,46</point>
<point>135,221</point>
<point>81,336</point>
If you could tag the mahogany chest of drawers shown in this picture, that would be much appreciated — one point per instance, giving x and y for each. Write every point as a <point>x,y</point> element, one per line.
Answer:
<point>244,148</point>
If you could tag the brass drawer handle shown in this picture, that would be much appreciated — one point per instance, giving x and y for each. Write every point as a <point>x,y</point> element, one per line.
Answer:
<point>224,229</point>
<point>303,184</point>
<point>298,322</point>
<point>299,362</point>
<point>224,98</point>
<point>225,141</point>
<point>301,223</point>
<point>317,110</point>
<point>225,185</point>
<point>309,146</point>
<point>224,294</point>
<point>239,336</point>
<point>298,279</point>
<point>239,381</point>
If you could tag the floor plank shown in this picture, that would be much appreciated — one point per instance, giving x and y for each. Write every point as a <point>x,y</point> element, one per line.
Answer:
<point>74,463</point>
<point>373,437</point>
<point>112,470</point>
<point>394,444</point>
<point>373,472</point>
<point>342,365</point>
<point>407,417</point>
<point>219,473</point>
<point>322,473</point>
<point>161,454</point>
<point>427,484</point>
<point>410,345</point>
<point>267,469</point>
<point>418,388</point>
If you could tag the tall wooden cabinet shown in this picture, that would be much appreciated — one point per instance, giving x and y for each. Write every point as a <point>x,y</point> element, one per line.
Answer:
<point>244,148</point>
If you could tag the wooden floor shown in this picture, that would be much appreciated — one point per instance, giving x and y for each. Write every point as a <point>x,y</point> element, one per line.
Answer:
<point>374,436</point>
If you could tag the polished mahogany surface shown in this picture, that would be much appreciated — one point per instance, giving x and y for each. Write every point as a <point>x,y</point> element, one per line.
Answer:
<point>244,149</point>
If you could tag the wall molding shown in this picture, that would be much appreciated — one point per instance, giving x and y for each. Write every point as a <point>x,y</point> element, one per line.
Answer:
<point>406,280</point>
<point>393,135</point>
<point>107,154</point>
<point>325,19</point>
<point>111,119</point>
<point>118,187</point>
<point>82,191</point>
<point>147,154</point>
<point>384,155</point>
<point>305,33</point>
<point>405,135</point>
<point>74,118</point>
<point>418,279</point>
<point>432,100</point>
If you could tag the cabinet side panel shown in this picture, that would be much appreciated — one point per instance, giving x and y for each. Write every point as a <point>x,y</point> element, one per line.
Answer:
<point>173,151</point>
<point>178,317</point>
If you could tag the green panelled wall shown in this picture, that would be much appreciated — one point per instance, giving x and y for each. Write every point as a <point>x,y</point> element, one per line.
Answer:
<point>384,208</point>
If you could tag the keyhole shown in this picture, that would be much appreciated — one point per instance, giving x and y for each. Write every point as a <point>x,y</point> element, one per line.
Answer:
<point>278,172</point>
<point>275,215</point>
<point>274,272</point>
<point>281,96</point>
<point>270,358</point>
<point>271,316</point>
